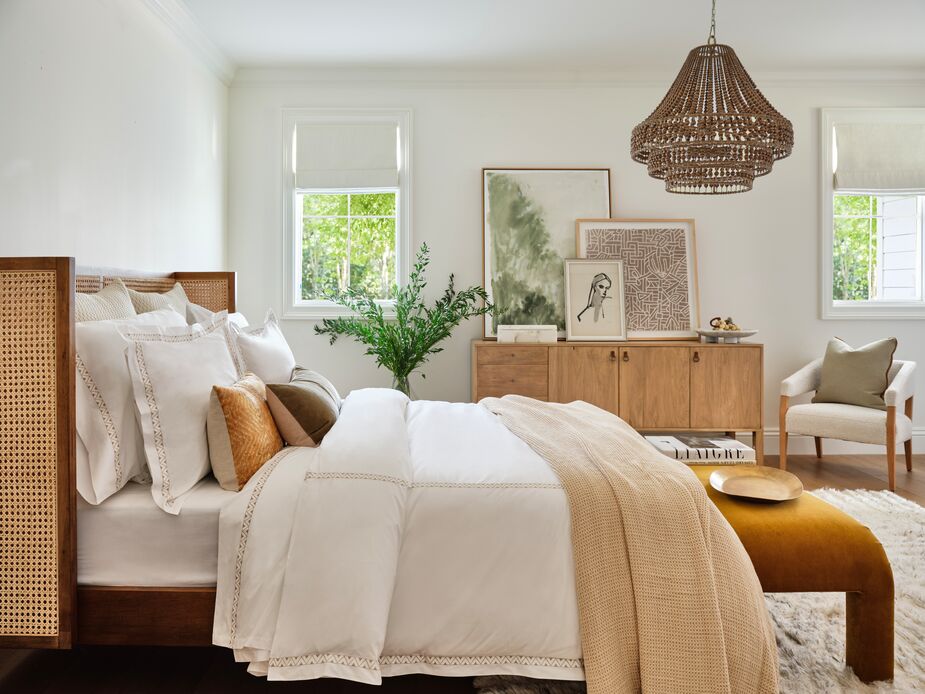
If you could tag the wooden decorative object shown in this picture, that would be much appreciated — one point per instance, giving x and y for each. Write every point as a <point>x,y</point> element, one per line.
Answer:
<point>714,131</point>
<point>37,452</point>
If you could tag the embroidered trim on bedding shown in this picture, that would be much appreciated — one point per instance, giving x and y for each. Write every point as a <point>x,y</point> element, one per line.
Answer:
<point>245,531</point>
<point>159,447</point>
<point>190,336</point>
<point>420,659</point>
<point>105,414</point>
<point>428,485</point>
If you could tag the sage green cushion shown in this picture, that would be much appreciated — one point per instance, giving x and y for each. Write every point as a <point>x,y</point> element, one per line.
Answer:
<point>856,376</point>
<point>304,409</point>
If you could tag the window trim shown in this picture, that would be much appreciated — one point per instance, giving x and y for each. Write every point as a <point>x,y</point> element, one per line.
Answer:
<point>293,306</point>
<point>830,309</point>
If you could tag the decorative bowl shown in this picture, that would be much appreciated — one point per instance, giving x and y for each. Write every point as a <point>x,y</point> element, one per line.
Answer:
<point>757,482</point>
<point>728,336</point>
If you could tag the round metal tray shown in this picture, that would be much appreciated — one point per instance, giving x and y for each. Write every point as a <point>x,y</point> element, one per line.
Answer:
<point>757,482</point>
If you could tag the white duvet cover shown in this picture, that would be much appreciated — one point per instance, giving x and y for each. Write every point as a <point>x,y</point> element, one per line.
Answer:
<point>420,537</point>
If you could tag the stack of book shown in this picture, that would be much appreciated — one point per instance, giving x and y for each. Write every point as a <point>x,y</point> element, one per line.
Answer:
<point>703,450</point>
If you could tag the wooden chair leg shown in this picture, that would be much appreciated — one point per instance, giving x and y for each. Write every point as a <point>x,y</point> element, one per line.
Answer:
<point>908,444</point>
<point>891,446</point>
<point>818,440</point>
<point>784,403</point>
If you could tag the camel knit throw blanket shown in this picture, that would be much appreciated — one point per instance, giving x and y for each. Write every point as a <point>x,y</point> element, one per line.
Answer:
<point>668,599</point>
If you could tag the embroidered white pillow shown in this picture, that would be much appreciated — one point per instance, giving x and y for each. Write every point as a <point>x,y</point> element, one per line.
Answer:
<point>106,422</point>
<point>264,351</point>
<point>174,298</point>
<point>172,377</point>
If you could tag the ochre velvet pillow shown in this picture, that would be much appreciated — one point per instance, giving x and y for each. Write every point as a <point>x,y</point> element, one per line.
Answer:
<point>856,376</point>
<point>242,434</point>
<point>305,409</point>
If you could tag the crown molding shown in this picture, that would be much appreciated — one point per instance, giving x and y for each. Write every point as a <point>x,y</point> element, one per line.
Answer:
<point>484,78</point>
<point>178,18</point>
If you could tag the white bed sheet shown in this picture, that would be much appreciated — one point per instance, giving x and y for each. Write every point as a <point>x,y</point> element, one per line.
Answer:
<point>128,541</point>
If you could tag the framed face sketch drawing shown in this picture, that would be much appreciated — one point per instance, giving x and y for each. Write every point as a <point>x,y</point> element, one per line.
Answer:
<point>594,300</point>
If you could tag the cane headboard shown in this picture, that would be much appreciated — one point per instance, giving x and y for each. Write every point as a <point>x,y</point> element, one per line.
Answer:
<point>38,439</point>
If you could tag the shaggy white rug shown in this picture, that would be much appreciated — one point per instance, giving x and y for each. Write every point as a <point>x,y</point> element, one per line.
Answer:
<point>811,626</point>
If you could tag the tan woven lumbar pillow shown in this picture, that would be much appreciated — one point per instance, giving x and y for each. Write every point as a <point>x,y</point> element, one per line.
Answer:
<point>112,302</point>
<point>174,298</point>
<point>305,409</point>
<point>856,376</point>
<point>242,435</point>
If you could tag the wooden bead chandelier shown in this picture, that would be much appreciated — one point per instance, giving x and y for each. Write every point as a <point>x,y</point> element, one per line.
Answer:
<point>714,131</point>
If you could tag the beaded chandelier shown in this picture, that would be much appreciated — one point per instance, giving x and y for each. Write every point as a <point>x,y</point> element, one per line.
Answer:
<point>714,132</point>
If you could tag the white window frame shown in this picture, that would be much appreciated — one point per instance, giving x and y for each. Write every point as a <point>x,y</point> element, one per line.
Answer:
<point>294,306</point>
<point>862,310</point>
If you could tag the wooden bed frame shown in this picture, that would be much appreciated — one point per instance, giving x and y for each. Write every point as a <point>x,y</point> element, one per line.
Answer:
<point>41,605</point>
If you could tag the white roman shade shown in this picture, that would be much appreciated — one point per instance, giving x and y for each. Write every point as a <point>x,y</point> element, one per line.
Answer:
<point>880,157</point>
<point>354,155</point>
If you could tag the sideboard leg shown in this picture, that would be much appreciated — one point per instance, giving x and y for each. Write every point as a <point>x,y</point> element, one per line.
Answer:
<point>758,445</point>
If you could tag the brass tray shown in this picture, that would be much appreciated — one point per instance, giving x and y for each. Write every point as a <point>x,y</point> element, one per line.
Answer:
<point>757,482</point>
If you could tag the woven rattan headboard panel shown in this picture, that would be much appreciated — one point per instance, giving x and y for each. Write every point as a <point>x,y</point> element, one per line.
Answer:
<point>214,290</point>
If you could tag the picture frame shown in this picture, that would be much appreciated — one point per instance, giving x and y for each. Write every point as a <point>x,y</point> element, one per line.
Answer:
<point>594,296</point>
<point>660,272</point>
<point>528,217</point>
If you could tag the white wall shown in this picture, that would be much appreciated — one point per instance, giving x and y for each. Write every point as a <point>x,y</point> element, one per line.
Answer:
<point>758,252</point>
<point>112,138</point>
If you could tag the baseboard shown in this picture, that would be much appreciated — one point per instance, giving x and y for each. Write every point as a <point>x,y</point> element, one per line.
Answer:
<point>800,445</point>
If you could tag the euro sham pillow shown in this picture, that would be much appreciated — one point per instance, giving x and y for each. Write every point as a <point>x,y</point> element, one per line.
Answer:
<point>856,376</point>
<point>264,351</point>
<point>242,434</point>
<point>304,409</point>
<point>174,298</point>
<point>173,372</point>
<point>112,302</point>
<point>106,422</point>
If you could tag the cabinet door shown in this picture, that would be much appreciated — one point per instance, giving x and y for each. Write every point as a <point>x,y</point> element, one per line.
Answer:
<point>584,373</point>
<point>726,388</point>
<point>655,387</point>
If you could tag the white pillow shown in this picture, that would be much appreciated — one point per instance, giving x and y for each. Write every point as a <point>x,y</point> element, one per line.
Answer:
<point>264,351</point>
<point>200,314</point>
<point>172,377</point>
<point>106,423</point>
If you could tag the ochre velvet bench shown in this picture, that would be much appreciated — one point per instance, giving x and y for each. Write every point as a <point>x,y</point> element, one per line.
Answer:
<point>806,546</point>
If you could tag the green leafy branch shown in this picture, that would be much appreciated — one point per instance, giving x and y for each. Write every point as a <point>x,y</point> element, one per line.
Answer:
<point>406,342</point>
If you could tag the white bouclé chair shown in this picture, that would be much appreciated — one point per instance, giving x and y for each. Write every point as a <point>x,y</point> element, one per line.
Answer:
<point>850,422</point>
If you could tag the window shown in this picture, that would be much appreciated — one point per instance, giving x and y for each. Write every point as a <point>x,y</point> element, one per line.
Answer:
<point>346,196</point>
<point>873,213</point>
<point>349,239</point>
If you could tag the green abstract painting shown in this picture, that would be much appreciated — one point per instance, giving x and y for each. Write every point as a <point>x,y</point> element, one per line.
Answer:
<point>529,229</point>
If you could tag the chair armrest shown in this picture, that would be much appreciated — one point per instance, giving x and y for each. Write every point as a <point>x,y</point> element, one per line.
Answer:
<point>803,381</point>
<point>902,387</point>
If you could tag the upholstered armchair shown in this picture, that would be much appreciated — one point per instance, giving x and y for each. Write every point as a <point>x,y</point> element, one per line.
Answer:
<point>850,422</point>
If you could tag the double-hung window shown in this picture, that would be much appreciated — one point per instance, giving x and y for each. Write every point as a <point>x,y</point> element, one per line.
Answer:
<point>873,213</point>
<point>346,190</point>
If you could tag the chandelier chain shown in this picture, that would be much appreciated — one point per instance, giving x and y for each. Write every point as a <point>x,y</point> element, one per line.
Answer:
<point>711,41</point>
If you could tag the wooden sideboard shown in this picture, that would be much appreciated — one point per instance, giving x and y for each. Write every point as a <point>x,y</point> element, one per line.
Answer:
<point>654,386</point>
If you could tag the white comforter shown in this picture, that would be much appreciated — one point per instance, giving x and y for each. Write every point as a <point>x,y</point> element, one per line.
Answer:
<point>420,537</point>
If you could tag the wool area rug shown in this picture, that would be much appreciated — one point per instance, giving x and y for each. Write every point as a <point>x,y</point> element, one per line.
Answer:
<point>811,626</point>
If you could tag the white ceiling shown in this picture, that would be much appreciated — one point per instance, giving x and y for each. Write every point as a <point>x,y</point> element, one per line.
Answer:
<point>594,35</point>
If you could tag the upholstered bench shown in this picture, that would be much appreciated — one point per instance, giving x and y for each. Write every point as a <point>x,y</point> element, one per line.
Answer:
<point>807,545</point>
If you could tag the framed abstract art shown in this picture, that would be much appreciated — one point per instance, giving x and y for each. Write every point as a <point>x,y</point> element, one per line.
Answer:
<point>660,272</point>
<point>528,218</point>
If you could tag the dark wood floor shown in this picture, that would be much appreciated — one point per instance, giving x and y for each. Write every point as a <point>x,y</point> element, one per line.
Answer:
<point>113,670</point>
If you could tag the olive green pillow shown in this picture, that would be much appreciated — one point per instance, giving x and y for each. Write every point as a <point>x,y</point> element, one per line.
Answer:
<point>304,409</point>
<point>856,376</point>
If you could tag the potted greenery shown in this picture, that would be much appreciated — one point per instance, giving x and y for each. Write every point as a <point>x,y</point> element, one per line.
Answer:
<point>403,343</point>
